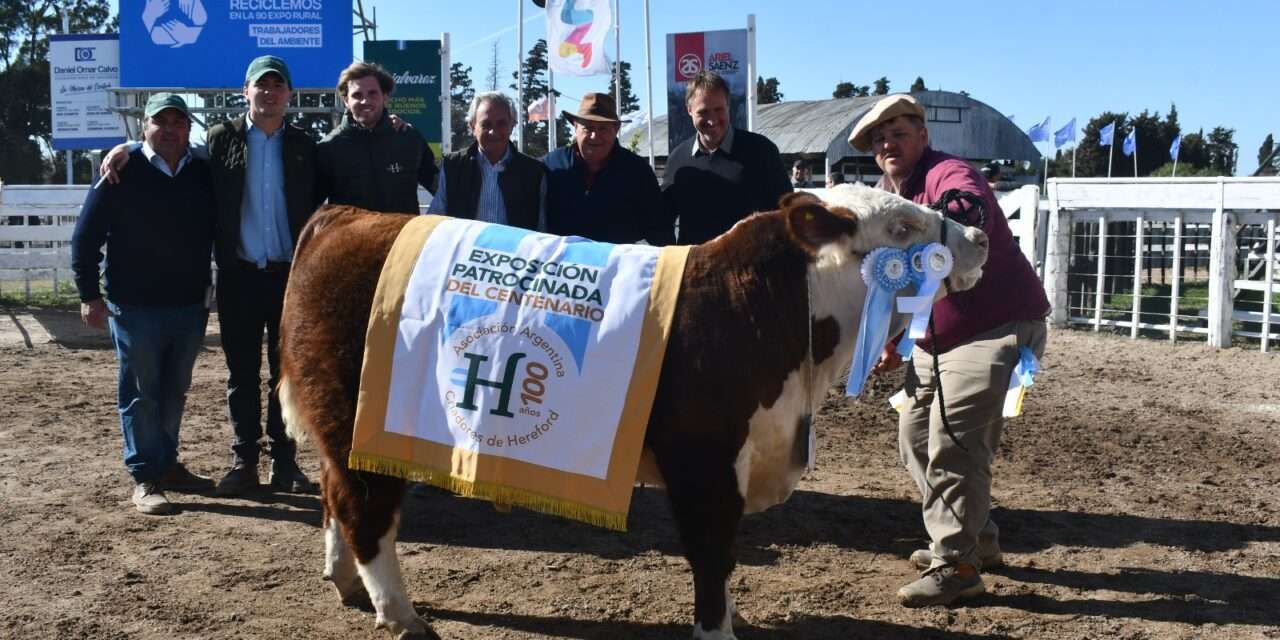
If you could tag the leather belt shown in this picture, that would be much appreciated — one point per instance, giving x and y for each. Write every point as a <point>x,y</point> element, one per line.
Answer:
<point>272,267</point>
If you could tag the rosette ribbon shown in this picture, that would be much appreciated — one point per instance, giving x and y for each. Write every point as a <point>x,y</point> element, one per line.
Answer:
<point>930,265</point>
<point>886,271</point>
<point>1023,376</point>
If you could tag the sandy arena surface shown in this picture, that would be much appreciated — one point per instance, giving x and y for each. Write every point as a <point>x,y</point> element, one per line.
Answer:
<point>1137,499</point>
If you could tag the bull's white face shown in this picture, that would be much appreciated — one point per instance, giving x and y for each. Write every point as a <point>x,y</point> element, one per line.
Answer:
<point>888,220</point>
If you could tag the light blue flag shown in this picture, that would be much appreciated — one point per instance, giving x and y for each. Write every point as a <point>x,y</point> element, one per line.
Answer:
<point>1130,142</point>
<point>1106,134</point>
<point>1175,147</point>
<point>1039,132</point>
<point>1065,134</point>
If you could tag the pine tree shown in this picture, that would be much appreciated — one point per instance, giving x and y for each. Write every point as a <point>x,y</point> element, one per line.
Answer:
<point>491,78</point>
<point>918,85</point>
<point>850,90</point>
<point>534,87</point>
<point>882,87</point>
<point>1267,148</point>
<point>630,102</point>
<point>461,92</point>
<point>767,91</point>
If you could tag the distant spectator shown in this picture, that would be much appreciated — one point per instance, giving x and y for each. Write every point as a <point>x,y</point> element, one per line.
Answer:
<point>801,175</point>
<point>834,177</point>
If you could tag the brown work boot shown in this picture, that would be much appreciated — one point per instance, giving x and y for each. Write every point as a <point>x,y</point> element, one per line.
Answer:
<point>180,478</point>
<point>944,585</point>
<point>242,478</point>
<point>149,499</point>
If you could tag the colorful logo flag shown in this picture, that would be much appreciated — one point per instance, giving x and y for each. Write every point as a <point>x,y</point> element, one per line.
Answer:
<point>1039,132</point>
<point>1175,147</point>
<point>1107,134</point>
<point>576,30</point>
<point>1065,134</point>
<point>1130,142</point>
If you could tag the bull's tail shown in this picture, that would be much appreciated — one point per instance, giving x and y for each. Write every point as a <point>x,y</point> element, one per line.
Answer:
<point>293,422</point>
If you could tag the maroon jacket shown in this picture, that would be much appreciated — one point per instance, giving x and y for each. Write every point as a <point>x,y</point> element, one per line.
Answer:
<point>1009,289</point>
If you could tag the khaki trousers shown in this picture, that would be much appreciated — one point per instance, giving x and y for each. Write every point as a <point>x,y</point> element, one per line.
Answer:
<point>955,484</point>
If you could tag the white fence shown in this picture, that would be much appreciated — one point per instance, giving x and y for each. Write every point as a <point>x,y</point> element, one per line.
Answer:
<point>1112,239</point>
<point>36,223</point>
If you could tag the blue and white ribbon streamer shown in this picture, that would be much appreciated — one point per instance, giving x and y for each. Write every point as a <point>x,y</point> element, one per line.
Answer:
<point>886,271</point>
<point>1023,377</point>
<point>930,265</point>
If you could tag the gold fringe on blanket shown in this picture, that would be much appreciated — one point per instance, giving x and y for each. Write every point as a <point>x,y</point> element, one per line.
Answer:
<point>499,494</point>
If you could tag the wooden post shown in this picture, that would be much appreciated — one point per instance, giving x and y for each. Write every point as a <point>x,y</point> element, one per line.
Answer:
<point>1137,276</point>
<point>1057,260</point>
<point>1177,278</point>
<point>1101,280</point>
<point>1222,266</point>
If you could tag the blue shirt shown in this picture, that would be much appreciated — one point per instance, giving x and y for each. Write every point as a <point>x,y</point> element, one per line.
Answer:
<point>264,219</point>
<point>159,163</point>
<point>492,208</point>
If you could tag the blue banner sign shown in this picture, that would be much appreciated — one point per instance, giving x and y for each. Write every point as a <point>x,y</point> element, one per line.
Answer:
<point>207,44</point>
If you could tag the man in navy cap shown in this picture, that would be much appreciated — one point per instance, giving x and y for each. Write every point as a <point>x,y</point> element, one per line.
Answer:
<point>158,229</point>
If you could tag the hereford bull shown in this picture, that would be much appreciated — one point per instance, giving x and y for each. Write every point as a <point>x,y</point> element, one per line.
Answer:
<point>764,323</point>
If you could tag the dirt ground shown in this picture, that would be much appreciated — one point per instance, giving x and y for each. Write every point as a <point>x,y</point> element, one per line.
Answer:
<point>1137,498</point>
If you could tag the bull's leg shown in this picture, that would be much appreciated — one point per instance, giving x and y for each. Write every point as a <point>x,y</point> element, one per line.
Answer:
<point>703,489</point>
<point>339,560</point>
<point>367,510</point>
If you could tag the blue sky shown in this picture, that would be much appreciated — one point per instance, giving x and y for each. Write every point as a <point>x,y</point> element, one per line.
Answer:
<point>1217,61</point>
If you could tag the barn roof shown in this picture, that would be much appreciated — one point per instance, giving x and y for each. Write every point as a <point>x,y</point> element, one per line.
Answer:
<point>958,124</point>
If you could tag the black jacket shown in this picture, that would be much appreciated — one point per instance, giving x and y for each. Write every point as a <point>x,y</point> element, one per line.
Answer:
<point>378,169</point>
<point>228,157</point>
<point>709,194</point>
<point>521,185</point>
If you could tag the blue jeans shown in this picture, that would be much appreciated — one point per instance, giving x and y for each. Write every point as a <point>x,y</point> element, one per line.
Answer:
<point>157,348</point>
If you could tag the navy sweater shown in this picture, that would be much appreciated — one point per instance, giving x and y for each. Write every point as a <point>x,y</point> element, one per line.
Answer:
<point>709,194</point>
<point>623,206</point>
<point>158,232</point>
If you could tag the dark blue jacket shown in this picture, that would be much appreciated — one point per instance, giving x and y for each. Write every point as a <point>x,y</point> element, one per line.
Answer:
<point>623,206</point>
<point>158,232</point>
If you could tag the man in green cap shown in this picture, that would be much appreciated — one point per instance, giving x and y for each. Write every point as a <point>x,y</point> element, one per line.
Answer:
<point>157,226</point>
<point>264,184</point>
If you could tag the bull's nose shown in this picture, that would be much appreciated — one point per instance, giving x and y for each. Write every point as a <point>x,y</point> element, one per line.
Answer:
<point>977,236</point>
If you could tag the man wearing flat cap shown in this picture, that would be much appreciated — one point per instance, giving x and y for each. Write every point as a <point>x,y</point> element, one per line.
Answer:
<point>158,229</point>
<point>979,336</point>
<point>599,190</point>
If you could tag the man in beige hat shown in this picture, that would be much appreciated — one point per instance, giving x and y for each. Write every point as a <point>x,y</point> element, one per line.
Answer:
<point>598,189</point>
<point>978,336</point>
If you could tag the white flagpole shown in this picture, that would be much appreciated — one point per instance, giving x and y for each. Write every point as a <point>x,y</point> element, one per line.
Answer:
<point>648,72</point>
<point>446,88</point>
<point>1175,162</point>
<point>1111,149</point>
<point>1074,145</point>
<point>1135,152</point>
<point>520,75</point>
<point>551,110</point>
<point>617,55</point>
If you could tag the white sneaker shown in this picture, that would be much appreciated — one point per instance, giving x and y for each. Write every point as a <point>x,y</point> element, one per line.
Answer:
<point>149,499</point>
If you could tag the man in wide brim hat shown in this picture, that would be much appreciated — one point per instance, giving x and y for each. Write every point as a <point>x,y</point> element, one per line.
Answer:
<point>599,190</point>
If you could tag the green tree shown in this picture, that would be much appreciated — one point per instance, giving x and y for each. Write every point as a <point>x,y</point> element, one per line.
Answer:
<point>25,126</point>
<point>850,90</point>
<point>1222,151</point>
<point>767,91</point>
<point>461,92</point>
<point>630,102</point>
<point>1268,147</point>
<point>918,85</point>
<point>882,87</point>
<point>534,87</point>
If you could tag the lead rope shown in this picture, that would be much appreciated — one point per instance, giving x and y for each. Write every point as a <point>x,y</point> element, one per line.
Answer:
<point>811,458</point>
<point>974,204</point>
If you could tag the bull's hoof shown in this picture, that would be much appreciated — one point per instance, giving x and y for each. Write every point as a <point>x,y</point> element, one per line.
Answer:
<point>358,599</point>
<point>416,629</point>
<point>427,634</point>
